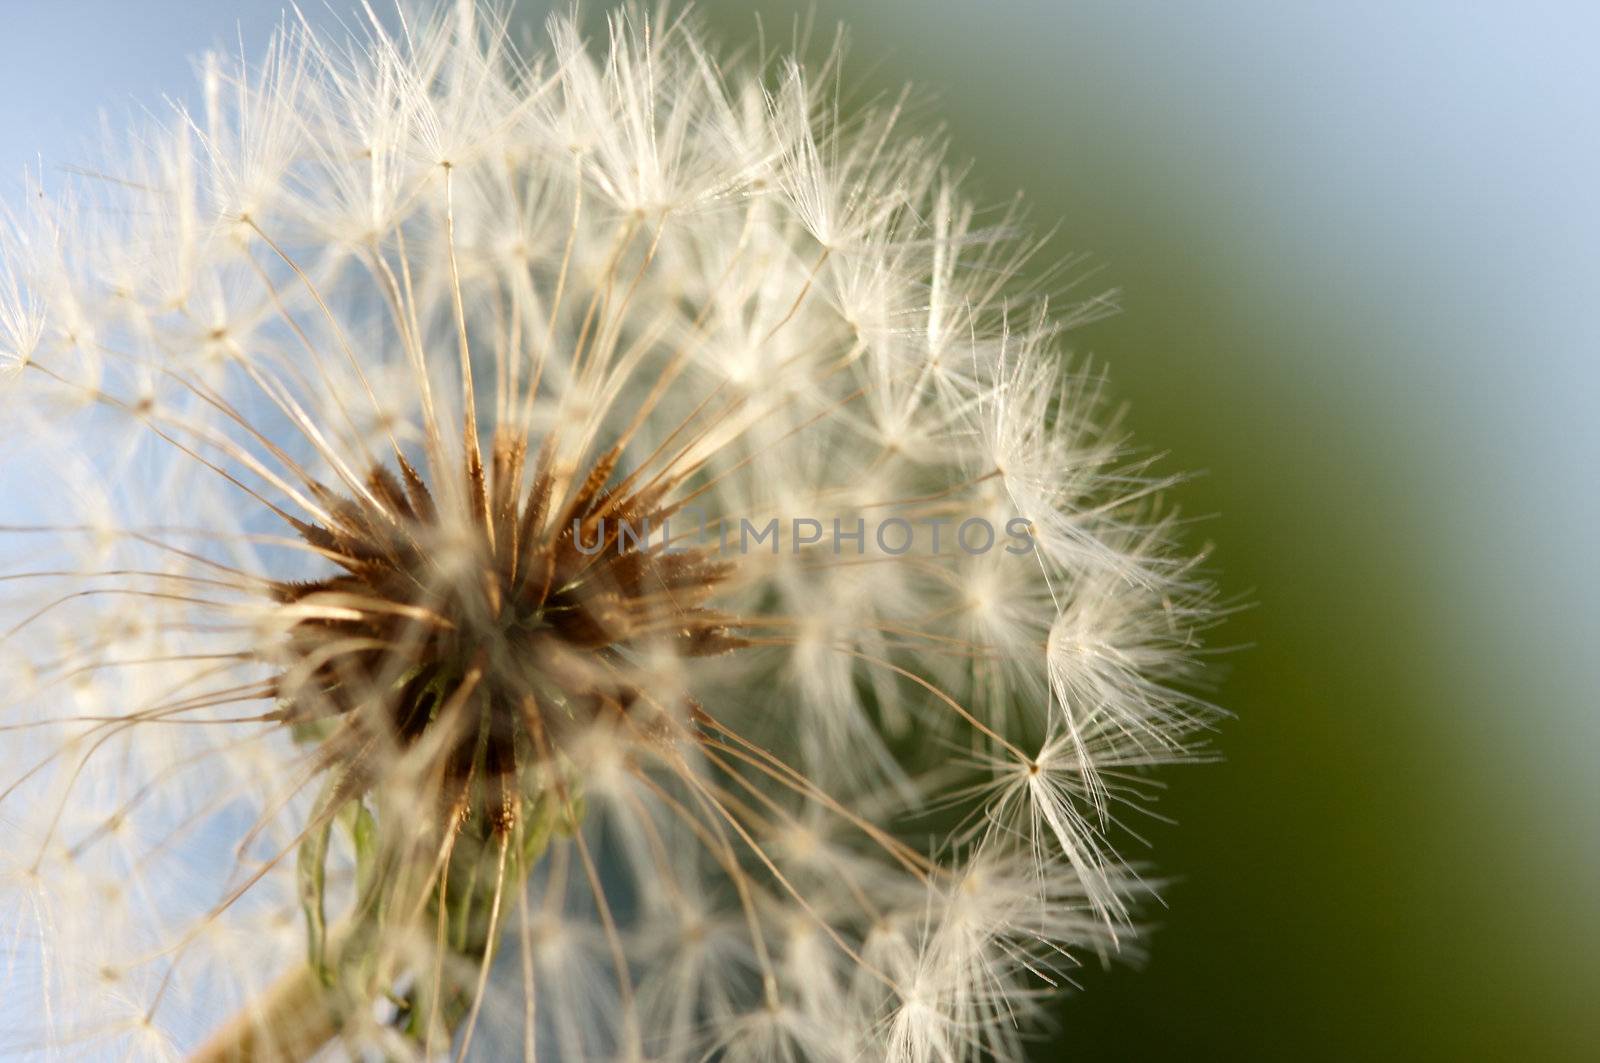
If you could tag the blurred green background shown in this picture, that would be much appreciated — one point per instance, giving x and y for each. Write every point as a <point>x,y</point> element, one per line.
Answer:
<point>1358,247</point>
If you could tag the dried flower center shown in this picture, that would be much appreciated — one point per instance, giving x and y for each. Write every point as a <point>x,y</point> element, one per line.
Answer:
<point>467,639</point>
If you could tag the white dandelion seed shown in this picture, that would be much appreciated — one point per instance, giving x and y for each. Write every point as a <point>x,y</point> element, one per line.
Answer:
<point>587,553</point>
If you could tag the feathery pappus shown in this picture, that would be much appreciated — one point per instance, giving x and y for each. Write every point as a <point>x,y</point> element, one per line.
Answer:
<point>580,550</point>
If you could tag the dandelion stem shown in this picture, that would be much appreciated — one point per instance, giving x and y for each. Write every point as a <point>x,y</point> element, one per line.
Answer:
<point>288,1023</point>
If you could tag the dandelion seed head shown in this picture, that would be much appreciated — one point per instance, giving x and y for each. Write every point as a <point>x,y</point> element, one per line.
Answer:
<point>584,552</point>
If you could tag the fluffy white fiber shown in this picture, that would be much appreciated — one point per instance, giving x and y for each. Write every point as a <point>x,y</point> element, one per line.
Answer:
<point>316,733</point>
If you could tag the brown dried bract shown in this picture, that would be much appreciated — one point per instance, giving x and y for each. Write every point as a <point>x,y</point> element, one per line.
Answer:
<point>476,644</point>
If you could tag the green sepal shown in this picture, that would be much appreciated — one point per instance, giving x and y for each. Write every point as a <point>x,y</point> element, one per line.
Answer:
<point>311,870</point>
